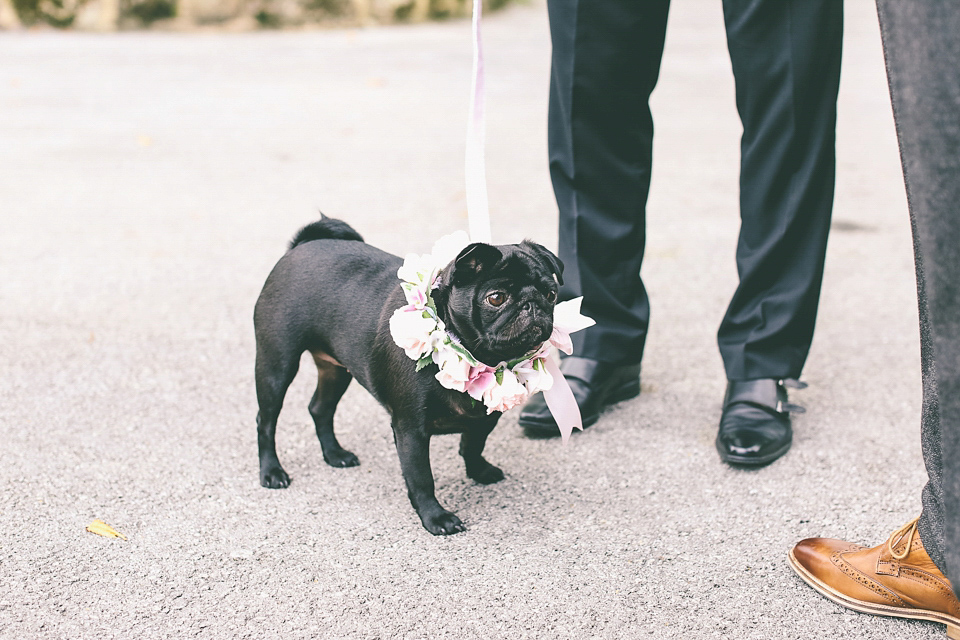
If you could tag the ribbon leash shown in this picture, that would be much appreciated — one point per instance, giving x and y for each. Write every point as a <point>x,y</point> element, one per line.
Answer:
<point>559,398</point>
<point>478,212</point>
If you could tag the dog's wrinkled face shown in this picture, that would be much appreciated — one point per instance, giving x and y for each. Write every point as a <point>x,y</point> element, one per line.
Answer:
<point>498,300</point>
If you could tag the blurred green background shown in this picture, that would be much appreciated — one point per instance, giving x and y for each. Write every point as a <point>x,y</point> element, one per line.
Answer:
<point>109,15</point>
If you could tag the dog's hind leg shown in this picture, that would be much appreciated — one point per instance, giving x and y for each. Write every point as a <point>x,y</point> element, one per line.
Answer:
<point>274,373</point>
<point>332,382</point>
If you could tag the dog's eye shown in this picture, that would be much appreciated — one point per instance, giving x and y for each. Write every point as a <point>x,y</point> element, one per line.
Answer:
<point>497,298</point>
<point>551,296</point>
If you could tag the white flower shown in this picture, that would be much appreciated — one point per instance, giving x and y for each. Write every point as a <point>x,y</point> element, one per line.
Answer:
<point>418,270</point>
<point>533,375</point>
<point>447,248</point>
<point>412,331</point>
<point>439,337</point>
<point>506,395</point>
<point>561,340</point>
<point>454,375</point>
<point>415,295</point>
<point>567,319</point>
<point>445,355</point>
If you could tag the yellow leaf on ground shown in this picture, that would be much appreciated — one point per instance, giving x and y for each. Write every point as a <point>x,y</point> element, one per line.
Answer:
<point>101,528</point>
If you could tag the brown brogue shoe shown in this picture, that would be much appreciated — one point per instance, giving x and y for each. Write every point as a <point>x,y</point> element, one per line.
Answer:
<point>896,578</point>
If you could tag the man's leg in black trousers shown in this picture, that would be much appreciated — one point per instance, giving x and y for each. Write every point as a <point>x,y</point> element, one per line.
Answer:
<point>786,63</point>
<point>922,47</point>
<point>606,60</point>
<point>907,576</point>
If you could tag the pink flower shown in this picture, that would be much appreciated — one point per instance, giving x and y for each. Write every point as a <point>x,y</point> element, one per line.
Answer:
<point>481,379</point>
<point>454,374</point>
<point>506,395</point>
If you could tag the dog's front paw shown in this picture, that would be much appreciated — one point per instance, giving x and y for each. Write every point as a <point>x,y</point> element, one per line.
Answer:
<point>484,472</point>
<point>340,458</point>
<point>442,524</point>
<point>274,478</point>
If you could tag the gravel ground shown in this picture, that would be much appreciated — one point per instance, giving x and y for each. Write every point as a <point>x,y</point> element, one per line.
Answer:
<point>148,183</point>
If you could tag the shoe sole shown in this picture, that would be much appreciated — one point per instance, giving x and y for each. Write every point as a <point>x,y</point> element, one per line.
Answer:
<point>953,624</point>
<point>749,461</point>
<point>630,389</point>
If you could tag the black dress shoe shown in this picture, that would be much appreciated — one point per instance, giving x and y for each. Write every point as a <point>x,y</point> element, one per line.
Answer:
<point>595,386</point>
<point>755,423</point>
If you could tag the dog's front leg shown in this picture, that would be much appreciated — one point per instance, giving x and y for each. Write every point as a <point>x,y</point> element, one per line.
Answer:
<point>471,448</point>
<point>413,447</point>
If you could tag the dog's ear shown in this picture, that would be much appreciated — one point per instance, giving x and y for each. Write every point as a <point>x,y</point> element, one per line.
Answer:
<point>540,251</point>
<point>472,261</point>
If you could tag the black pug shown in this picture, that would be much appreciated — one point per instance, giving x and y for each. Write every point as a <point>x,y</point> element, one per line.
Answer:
<point>333,295</point>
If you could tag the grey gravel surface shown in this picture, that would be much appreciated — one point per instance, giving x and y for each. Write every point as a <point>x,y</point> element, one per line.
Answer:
<point>148,183</point>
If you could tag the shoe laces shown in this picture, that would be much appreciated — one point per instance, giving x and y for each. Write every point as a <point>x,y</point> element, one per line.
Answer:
<point>906,531</point>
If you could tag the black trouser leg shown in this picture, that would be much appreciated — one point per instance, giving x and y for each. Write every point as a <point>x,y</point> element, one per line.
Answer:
<point>606,59</point>
<point>786,63</point>
<point>921,42</point>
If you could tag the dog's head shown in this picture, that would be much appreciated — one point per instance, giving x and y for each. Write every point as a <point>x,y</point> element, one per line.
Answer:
<point>498,300</point>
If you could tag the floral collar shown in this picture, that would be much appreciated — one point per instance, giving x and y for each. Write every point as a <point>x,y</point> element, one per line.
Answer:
<point>419,331</point>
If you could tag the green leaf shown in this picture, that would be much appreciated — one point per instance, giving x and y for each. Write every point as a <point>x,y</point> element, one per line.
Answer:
<point>513,363</point>
<point>498,374</point>
<point>459,348</point>
<point>424,361</point>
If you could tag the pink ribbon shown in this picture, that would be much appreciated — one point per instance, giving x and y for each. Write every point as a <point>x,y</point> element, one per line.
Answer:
<point>561,402</point>
<point>559,397</point>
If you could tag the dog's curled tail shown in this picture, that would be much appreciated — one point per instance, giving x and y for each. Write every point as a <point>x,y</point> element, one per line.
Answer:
<point>325,229</point>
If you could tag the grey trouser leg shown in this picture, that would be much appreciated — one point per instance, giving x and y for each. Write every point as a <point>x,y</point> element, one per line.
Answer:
<point>921,41</point>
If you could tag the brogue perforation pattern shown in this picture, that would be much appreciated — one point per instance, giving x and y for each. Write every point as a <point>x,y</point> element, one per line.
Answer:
<point>931,581</point>
<point>837,559</point>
